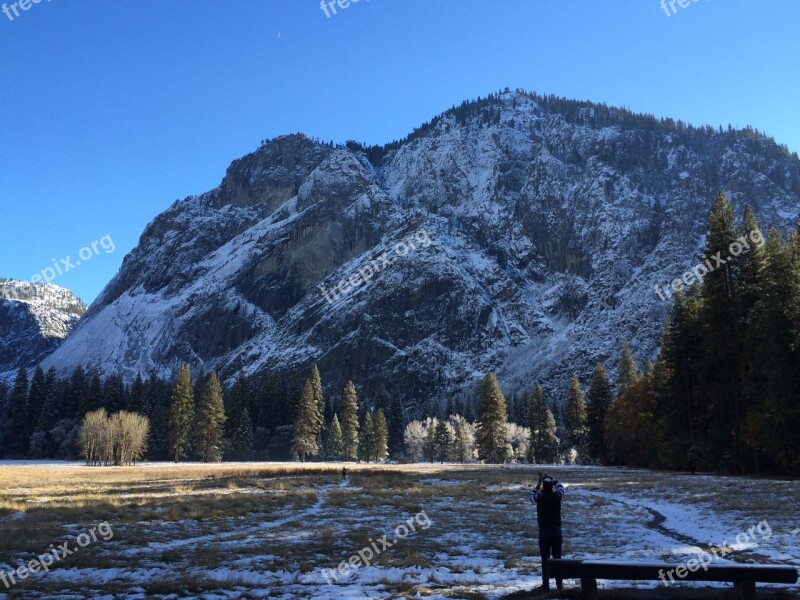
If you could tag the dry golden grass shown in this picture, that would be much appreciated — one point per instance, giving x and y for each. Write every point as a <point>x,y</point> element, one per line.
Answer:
<point>192,529</point>
<point>220,506</point>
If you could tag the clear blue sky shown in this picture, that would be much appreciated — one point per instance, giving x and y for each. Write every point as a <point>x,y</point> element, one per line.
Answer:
<point>112,109</point>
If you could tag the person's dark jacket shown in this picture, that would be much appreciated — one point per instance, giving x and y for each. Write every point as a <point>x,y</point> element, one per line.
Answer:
<point>548,505</point>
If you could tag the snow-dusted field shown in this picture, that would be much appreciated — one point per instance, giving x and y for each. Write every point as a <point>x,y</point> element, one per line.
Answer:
<point>276,530</point>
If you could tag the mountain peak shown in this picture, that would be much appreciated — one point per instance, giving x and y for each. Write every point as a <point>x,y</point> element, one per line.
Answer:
<point>550,223</point>
<point>35,318</point>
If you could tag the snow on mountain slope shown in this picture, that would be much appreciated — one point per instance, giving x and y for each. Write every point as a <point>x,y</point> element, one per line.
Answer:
<point>550,222</point>
<point>34,320</point>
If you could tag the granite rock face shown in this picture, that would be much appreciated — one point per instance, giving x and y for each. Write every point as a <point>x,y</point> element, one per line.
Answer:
<point>519,233</point>
<point>34,320</point>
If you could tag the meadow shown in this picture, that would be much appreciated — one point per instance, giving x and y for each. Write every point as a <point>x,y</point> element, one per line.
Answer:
<point>278,530</point>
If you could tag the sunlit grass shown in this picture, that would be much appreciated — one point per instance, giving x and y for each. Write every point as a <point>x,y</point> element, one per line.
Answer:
<point>195,529</point>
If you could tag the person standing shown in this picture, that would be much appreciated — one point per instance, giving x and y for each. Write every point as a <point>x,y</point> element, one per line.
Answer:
<point>547,497</point>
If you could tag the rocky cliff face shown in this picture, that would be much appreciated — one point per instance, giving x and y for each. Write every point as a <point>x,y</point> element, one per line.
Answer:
<point>519,233</point>
<point>34,320</point>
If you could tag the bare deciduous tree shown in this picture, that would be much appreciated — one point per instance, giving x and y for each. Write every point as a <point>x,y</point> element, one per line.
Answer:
<point>120,439</point>
<point>93,436</point>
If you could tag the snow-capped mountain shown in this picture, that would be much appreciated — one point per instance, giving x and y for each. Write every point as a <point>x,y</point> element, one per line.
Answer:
<point>34,320</point>
<point>532,232</point>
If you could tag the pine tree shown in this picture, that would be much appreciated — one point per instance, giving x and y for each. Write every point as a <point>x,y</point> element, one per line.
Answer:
<point>335,440</point>
<point>648,370</point>
<point>181,414</point>
<point>350,421</point>
<point>750,266</point>
<point>462,440</point>
<point>75,399</point>
<point>631,427</point>
<point>381,436</point>
<point>197,390</point>
<point>721,336</point>
<point>786,447</point>
<point>93,398</point>
<point>776,351</point>
<point>20,417</point>
<point>683,415</point>
<point>316,385</point>
<point>491,433</point>
<point>210,421</point>
<point>156,409</point>
<point>750,274</point>
<point>306,425</point>
<point>48,413</point>
<point>599,400</point>
<point>366,448</point>
<point>295,387</point>
<point>575,419</point>
<point>239,426</point>
<point>137,395</point>
<point>443,440</point>
<point>542,424</point>
<point>431,423</point>
<point>397,426</point>
<point>36,398</point>
<point>627,372</point>
<point>115,397</point>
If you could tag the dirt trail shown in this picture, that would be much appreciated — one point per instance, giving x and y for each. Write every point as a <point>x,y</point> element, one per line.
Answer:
<point>658,524</point>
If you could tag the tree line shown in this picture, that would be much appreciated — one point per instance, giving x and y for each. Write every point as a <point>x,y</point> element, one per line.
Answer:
<point>197,419</point>
<point>257,418</point>
<point>723,394</point>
